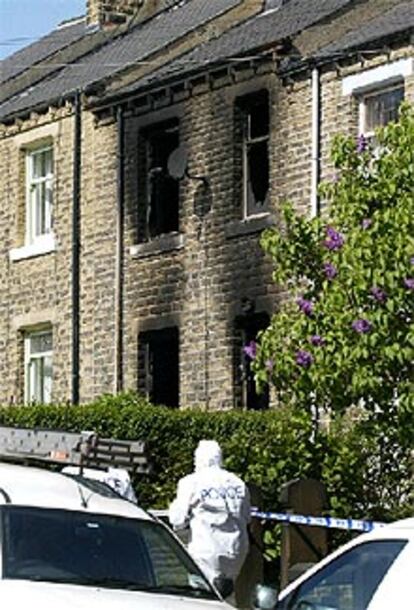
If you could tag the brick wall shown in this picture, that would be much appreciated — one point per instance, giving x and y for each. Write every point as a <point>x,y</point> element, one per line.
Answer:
<point>35,290</point>
<point>201,285</point>
<point>197,280</point>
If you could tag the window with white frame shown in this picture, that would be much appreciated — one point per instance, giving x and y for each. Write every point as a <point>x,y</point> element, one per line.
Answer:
<point>39,193</point>
<point>252,111</point>
<point>379,107</point>
<point>38,347</point>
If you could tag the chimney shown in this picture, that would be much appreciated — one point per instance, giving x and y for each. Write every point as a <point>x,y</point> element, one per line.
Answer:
<point>110,13</point>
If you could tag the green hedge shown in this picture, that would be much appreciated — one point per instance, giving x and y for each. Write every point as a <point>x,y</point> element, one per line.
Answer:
<point>367,472</point>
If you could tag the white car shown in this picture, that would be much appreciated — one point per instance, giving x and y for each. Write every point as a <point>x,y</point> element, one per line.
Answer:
<point>72,544</point>
<point>372,572</point>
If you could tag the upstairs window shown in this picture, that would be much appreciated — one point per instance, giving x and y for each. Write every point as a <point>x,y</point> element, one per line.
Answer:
<point>38,366</point>
<point>253,112</point>
<point>247,329</point>
<point>39,193</point>
<point>379,107</point>
<point>158,366</point>
<point>161,206</point>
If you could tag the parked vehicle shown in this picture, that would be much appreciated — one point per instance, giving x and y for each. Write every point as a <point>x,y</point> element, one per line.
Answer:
<point>372,572</point>
<point>70,543</point>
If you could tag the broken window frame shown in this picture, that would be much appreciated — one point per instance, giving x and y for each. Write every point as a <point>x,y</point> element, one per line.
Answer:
<point>158,219</point>
<point>249,104</point>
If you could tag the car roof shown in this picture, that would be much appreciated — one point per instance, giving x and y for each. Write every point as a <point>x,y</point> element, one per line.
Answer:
<point>28,486</point>
<point>402,524</point>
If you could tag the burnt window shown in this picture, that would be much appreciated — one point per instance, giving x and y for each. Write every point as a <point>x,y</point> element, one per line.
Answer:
<point>252,115</point>
<point>246,330</point>
<point>159,208</point>
<point>158,366</point>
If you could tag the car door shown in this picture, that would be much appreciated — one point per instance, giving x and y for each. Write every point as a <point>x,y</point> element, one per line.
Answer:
<point>349,581</point>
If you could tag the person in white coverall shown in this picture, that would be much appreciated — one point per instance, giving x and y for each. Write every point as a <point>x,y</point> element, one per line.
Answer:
<point>215,504</point>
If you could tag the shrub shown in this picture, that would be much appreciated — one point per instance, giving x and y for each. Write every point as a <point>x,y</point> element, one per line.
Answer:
<point>265,448</point>
<point>367,473</point>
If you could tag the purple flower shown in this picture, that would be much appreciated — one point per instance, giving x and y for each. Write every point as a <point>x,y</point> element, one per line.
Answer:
<point>409,283</point>
<point>361,326</point>
<point>335,240</point>
<point>305,306</point>
<point>330,270</point>
<point>269,364</point>
<point>366,223</point>
<point>304,358</point>
<point>250,350</point>
<point>362,144</point>
<point>379,294</point>
<point>317,340</point>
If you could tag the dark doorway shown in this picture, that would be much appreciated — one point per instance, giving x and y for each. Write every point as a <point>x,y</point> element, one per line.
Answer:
<point>247,328</point>
<point>158,374</point>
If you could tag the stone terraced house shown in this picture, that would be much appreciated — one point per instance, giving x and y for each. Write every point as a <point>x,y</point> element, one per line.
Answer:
<point>143,149</point>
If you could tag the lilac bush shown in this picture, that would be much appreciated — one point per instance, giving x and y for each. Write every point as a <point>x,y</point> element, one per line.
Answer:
<point>358,325</point>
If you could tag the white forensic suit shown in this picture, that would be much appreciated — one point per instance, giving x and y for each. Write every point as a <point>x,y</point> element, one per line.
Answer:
<point>117,478</point>
<point>216,505</point>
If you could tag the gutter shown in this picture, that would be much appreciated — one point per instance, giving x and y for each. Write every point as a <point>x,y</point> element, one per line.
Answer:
<point>76,200</point>
<point>95,103</point>
<point>119,254</point>
<point>316,135</point>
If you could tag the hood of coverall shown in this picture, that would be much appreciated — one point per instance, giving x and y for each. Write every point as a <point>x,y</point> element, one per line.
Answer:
<point>207,454</point>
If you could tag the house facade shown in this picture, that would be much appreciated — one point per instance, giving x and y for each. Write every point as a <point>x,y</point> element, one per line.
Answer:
<point>143,158</point>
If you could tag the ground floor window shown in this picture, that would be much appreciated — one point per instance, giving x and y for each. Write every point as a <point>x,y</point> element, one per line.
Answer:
<point>246,330</point>
<point>158,366</point>
<point>38,348</point>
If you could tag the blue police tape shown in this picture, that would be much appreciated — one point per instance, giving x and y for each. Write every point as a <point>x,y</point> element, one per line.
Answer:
<point>329,522</point>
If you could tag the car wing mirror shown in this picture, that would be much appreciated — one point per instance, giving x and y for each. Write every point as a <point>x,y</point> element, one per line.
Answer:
<point>264,598</point>
<point>224,586</point>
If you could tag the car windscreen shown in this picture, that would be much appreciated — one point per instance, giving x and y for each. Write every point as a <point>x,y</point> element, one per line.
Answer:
<point>97,550</point>
<point>349,581</point>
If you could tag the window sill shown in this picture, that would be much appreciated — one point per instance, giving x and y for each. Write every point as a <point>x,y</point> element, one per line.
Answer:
<point>43,245</point>
<point>159,245</point>
<point>254,224</point>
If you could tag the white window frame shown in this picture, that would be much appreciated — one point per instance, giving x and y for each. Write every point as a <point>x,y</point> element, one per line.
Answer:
<point>363,105</point>
<point>35,389</point>
<point>375,80</point>
<point>33,184</point>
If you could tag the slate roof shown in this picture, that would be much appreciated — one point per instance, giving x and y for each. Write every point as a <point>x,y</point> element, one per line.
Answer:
<point>143,40</point>
<point>34,53</point>
<point>398,19</point>
<point>133,46</point>
<point>258,32</point>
